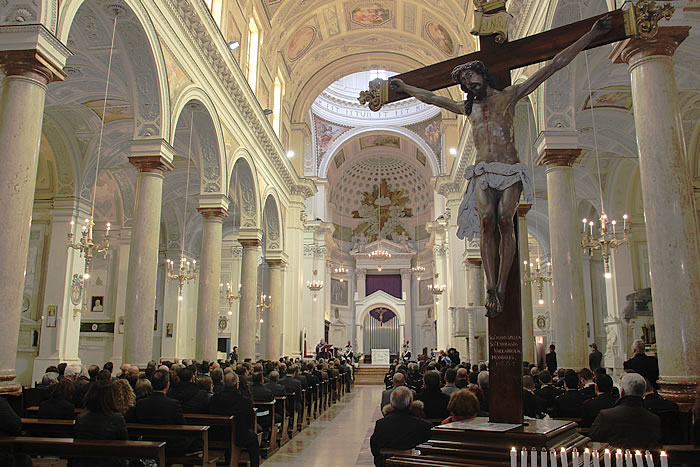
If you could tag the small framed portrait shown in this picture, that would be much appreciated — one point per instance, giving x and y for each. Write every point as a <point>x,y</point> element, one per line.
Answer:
<point>51,312</point>
<point>120,326</point>
<point>169,330</point>
<point>97,303</point>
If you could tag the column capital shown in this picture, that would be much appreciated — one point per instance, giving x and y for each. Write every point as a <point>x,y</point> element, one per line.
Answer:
<point>217,213</point>
<point>523,209</point>
<point>558,157</point>
<point>32,51</point>
<point>152,155</point>
<point>275,262</point>
<point>473,261</point>
<point>213,201</point>
<point>635,50</point>
<point>406,272</point>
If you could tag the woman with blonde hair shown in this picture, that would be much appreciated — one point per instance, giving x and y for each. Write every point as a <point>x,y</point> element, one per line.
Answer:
<point>463,404</point>
<point>124,396</point>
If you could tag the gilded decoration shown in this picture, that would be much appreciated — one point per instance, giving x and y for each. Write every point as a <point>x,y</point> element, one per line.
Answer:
<point>387,206</point>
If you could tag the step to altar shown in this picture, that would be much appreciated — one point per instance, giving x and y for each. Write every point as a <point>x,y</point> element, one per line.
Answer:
<point>371,374</point>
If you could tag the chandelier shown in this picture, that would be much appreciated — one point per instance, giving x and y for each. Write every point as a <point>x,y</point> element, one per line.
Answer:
<point>379,255</point>
<point>537,277</point>
<point>228,295</point>
<point>314,285</point>
<point>418,269</point>
<point>340,271</point>
<point>263,304</point>
<point>607,241</point>
<point>437,289</point>
<point>187,271</point>
<point>86,245</point>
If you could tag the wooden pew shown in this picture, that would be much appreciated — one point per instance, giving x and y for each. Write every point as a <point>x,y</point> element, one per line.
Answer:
<point>283,436</point>
<point>301,419</point>
<point>68,448</point>
<point>292,410</point>
<point>222,436</point>
<point>266,410</point>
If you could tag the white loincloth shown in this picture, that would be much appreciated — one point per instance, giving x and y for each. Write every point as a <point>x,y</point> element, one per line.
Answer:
<point>496,175</point>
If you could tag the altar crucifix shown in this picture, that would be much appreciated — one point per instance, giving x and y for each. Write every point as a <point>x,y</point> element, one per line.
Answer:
<point>498,178</point>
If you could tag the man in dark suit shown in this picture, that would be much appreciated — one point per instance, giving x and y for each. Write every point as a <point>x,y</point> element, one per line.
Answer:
<point>399,429</point>
<point>11,425</point>
<point>628,425</point>
<point>587,385</point>
<point>231,402</point>
<point>273,384</point>
<point>157,409</point>
<point>668,412</point>
<point>397,381</point>
<point>547,391</point>
<point>462,380</point>
<point>603,400</point>
<point>643,364</point>
<point>569,404</point>
<point>595,358</point>
<point>533,405</point>
<point>551,359</point>
<point>192,398</point>
<point>258,390</point>
<point>292,385</point>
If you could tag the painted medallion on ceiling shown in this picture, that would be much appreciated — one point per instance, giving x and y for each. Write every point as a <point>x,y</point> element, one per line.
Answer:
<point>369,14</point>
<point>326,134</point>
<point>437,33</point>
<point>429,131</point>
<point>301,42</point>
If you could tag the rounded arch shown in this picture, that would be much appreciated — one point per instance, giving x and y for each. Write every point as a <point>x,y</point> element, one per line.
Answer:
<point>364,312</point>
<point>350,134</point>
<point>272,222</point>
<point>212,162</point>
<point>139,35</point>
<point>244,190</point>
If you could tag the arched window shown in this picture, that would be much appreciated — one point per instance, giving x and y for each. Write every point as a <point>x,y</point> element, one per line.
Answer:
<point>253,45</point>
<point>277,109</point>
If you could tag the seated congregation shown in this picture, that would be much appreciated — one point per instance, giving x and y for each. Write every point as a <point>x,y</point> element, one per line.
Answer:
<point>196,413</point>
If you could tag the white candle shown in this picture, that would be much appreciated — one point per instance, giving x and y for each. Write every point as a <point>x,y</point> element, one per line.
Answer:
<point>553,457</point>
<point>664,459</point>
<point>564,457</point>
<point>575,458</point>
<point>513,457</point>
<point>586,457</point>
<point>533,457</point>
<point>607,458</point>
<point>543,457</point>
<point>639,459</point>
<point>628,458</point>
<point>523,457</point>
<point>649,458</point>
<point>618,458</point>
<point>596,459</point>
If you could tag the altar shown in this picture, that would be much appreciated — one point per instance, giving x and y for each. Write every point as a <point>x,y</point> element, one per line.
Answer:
<point>380,356</point>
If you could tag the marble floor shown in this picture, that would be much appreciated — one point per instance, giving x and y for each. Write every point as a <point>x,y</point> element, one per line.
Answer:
<point>340,437</point>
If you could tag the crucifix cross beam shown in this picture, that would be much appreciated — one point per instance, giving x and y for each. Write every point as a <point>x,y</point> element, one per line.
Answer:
<point>500,59</point>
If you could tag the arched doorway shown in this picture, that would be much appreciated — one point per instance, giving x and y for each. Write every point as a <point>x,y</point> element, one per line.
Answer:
<point>381,331</point>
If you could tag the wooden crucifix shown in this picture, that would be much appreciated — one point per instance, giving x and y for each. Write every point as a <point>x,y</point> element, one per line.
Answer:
<point>498,178</point>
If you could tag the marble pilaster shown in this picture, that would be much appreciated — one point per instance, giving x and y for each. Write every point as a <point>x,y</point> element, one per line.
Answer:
<point>30,58</point>
<point>120,244</point>
<point>569,317</point>
<point>477,322</point>
<point>406,281</point>
<point>152,158</point>
<point>213,209</point>
<point>247,316</point>
<point>361,281</point>
<point>667,193</point>
<point>275,319</point>
<point>525,287</point>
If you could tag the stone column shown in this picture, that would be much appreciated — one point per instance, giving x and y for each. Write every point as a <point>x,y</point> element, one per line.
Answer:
<point>569,314</point>
<point>667,192</point>
<point>406,279</point>
<point>152,158</point>
<point>525,287</point>
<point>478,324</point>
<point>273,346</point>
<point>213,209</point>
<point>30,57</point>
<point>247,316</point>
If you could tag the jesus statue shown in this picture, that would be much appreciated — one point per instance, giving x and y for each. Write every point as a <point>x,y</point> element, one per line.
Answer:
<point>498,178</point>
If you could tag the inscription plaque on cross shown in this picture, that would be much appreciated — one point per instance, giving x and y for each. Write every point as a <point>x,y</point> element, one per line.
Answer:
<point>485,77</point>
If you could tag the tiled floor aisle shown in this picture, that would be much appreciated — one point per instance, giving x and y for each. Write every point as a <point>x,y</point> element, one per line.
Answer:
<point>340,437</point>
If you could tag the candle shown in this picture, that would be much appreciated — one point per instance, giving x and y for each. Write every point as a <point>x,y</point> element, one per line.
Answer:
<point>523,457</point>
<point>586,457</point>
<point>649,458</point>
<point>613,224</point>
<point>585,221</point>
<point>591,226</point>
<point>564,457</point>
<point>596,459</point>
<point>513,458</point>
<point>543,457</point>
<point>638,458</point>
<point>624,222</point>
<point>618,458</point>
<point>628,458</point>
<point>553,457</point>
<point>533,457</point>
<point>607,458</point>
<point>664,459</point>
<point>574,457</point>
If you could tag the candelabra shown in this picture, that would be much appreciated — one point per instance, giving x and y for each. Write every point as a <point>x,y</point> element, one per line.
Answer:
<point>607,241</point>
<point>314,285</point>
<point>418,270</point>
<point>228,295</point>
<point>379,255</point>
<point>87,246</point>
<point>341,272</point>
<point>537,277</point>
<point>437,289</point>
<point>263,304</point>
<point>186,272</point>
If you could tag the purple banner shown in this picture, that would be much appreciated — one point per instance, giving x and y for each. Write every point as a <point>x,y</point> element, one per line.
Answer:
<point>389,283</point>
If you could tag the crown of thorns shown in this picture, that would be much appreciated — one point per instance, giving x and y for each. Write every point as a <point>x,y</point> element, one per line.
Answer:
<point>477,66</point>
